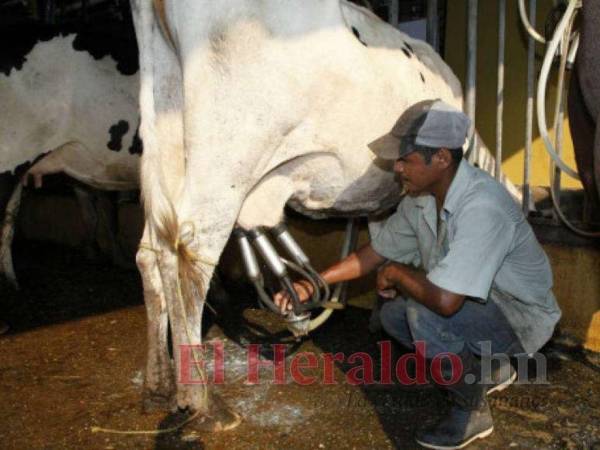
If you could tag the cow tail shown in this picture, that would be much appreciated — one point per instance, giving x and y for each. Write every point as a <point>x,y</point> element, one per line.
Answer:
<point>7,234</point>
<point>159,207</point>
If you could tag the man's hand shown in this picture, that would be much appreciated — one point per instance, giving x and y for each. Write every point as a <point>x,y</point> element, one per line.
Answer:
<point>414,284</point>
<point>355,265</point>
<point>283,300</point>
<point>386,286</point>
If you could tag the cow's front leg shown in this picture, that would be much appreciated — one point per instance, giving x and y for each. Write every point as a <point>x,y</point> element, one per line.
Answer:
<point>100,219</point>
<point>108,225</point>
<point>159,386</point>
<point>89,216</point>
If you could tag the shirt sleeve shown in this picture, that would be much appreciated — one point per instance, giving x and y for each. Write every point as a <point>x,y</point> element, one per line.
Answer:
<point>482,240</point>
<point>396,240</point>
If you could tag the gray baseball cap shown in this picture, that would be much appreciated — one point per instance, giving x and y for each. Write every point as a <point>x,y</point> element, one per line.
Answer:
<point>429,123</point>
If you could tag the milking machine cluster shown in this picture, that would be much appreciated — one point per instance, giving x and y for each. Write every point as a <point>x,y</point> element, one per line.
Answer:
<point>298,319</point>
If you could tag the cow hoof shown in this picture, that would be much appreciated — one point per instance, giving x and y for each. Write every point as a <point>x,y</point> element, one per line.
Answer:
<point>154,401</point>
<point>218,418</point>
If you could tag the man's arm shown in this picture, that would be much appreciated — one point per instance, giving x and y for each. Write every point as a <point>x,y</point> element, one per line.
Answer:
<point>353,266</point>
<point>414,284</point>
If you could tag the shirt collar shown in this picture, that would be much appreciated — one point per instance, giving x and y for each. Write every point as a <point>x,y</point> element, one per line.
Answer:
<point>458,187</point>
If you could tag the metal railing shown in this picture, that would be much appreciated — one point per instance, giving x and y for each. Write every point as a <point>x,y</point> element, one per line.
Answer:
<point>535,94</point>
<point>529,110</point>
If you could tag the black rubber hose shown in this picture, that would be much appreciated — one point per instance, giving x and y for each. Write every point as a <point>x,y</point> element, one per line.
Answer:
<point>264,298</point>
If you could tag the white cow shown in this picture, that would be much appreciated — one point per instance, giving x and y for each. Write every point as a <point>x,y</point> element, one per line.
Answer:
<point>80,112</point>
<point>248,105</point>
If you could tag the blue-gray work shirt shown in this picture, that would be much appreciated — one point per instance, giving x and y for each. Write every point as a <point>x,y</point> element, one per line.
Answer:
<point>489,251</point>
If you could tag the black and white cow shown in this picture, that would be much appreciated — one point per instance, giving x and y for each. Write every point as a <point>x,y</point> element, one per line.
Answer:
<point>69,105</point>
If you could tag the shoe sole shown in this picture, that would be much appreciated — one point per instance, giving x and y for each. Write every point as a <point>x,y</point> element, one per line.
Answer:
<point>500,387</point>
<point>481,435</point>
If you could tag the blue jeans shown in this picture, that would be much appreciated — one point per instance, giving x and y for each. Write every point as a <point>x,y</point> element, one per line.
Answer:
<point>476,325</point>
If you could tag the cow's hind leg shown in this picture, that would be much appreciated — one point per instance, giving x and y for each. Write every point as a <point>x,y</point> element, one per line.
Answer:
<point>163,171</point>
<point>193,241</point>
<point>159,386</point>
<point>194,384</point>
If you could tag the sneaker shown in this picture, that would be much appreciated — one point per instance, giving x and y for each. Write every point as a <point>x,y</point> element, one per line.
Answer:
<point>460,428</point>
<point>502,377</point>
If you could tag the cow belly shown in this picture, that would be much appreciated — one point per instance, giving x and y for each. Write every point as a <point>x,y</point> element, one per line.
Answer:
<point>109,170</point>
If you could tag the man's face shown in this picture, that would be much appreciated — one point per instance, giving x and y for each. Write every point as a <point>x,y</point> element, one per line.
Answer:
<point>416,175</point>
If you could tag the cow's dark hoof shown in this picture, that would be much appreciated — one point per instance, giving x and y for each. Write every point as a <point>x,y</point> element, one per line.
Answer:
<point>3,327</point>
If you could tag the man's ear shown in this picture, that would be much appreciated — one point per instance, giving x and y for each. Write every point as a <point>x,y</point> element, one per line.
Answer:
<point>443,157</point>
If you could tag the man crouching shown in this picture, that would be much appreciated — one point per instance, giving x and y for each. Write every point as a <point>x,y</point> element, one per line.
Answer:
<point>485,284</point>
